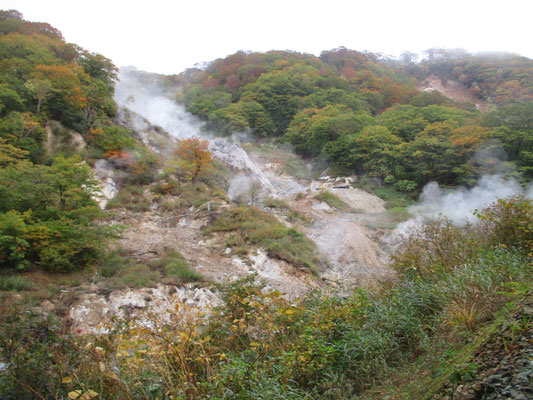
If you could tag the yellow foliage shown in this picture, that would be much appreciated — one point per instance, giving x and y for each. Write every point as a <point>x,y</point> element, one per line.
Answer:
<point>195,157</point>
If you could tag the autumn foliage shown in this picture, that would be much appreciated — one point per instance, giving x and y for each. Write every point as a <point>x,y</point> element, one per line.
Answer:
<point>195,157</point>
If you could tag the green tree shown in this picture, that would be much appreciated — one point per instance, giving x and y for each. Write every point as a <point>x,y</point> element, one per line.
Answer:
<point>51,212</point>
<point>41,88</point>
<point>311,129</point>
<point>376,150</point>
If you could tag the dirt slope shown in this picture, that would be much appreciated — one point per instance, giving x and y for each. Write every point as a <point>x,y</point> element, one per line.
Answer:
<point>453,90</point>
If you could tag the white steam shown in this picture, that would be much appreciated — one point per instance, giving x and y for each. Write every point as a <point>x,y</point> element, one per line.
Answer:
<point>151,103</point>
<point>529,192</point>
<point>234,156</point>
<point>458,204</point>
<point>106,177</point>
<point>147,100</point>
<point>245,188</point>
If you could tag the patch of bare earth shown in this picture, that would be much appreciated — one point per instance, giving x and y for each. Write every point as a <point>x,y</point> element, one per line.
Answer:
<point>354,254</point>
<point>453,90</point>
<point>149,235</point>
<point>94,313</point>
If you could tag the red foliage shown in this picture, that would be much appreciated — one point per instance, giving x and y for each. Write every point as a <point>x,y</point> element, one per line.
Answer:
<point>120,159</point>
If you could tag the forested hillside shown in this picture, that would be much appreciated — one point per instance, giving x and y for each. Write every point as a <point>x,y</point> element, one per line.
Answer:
<point>235,251</point>
<point>363,111</point>
<point>50,93</point>
<point>499,78</point>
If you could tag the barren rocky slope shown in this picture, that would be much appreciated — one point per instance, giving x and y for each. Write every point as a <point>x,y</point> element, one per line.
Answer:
<point>353,254</point>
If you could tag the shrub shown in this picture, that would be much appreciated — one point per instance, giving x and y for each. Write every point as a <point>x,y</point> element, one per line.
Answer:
<point>14,282</point>
<point>48,216</point>
<point>131,198</point>
<point>176,268</point>
<point>294,216</point>
<point>166,186</point>
<point>112,138</point>
<point>251,225</point>
<point>333,201</point>
<point>172,205</point>
<point>438,245</point>
<point>112,262</point>
<point>136,275</point>
<point>509,222</point>
<point>187,195</point>
<point>270,202</point>
<point>299,196</point>
<point>118,270</point>
<point>441,245</point>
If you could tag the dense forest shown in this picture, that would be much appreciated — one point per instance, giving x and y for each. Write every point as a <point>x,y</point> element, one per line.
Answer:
<point>49,88</point>
<point>456,291</point>
<point>364,112</point>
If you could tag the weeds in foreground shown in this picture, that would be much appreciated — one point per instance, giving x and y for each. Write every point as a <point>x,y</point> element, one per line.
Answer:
<point>259,345</point>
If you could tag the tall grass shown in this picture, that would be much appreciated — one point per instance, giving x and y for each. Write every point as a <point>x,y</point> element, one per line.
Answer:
<point>14,282</point>
<point>259,345</point>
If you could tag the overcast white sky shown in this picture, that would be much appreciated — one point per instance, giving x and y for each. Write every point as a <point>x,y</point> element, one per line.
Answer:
<point>170,36</point>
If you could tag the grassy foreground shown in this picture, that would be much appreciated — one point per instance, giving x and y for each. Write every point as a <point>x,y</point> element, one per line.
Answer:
<point>260,346</point>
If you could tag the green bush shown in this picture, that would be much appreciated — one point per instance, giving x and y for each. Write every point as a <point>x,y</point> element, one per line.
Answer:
<point>251,225</point>
<point>270,202</point>
<point>136,275</point>
<point>131,198</point>
<point>112,138</point>
<point>113,262</point>
<point>118,270</point>
<point>509,222</point>
<point>48,216</point>
<point>172,205</point>
<point>176,268</point>
<point>14,282</point>
<point>295,216</point>
<point>333,201</point>
<point>441,245</point>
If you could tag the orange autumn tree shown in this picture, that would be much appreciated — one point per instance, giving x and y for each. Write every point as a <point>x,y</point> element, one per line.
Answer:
<point>195,157</point>
<point>65,91</point>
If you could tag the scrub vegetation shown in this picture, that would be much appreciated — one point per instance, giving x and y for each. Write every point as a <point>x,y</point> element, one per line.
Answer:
<point>459,290</point>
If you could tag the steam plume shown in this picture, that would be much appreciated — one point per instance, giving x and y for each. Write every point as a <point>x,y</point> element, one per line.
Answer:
<point>459,204</point>
<point>150,102</point>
